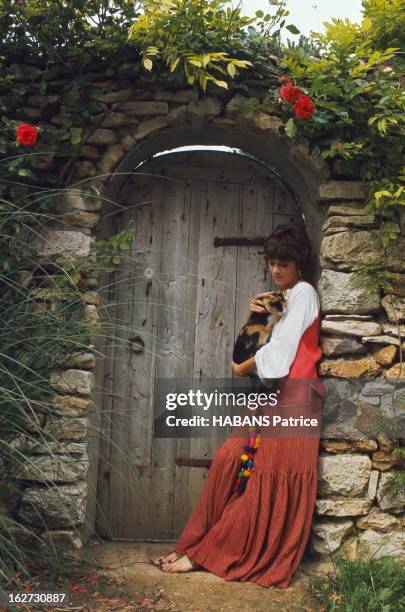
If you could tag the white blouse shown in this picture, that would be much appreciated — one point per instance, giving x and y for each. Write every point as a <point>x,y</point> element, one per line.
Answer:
<point>274,359</point>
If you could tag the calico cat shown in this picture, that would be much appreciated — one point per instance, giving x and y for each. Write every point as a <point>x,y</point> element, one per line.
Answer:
<point>257,331</point>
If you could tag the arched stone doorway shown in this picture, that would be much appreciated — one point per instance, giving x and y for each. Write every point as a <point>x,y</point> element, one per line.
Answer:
<point>359,337</point>
<point>180,299</point>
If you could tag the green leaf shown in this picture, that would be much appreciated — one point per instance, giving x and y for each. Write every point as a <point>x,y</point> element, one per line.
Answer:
<point>385,593</point>
<point>76,135</point>
<point>290,128</point>
<point>203,81</point>
<point>147,63</point>
<point>206,58</point>
<point>195,62</point>
<point>231,70</point>
<point>174,64</point>
<point>241,63</point>
<point>382,125</point>
<point>293,29</point>
<point>217,82</point>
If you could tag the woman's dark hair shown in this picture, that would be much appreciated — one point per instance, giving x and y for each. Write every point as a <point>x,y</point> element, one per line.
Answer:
<point>288,243</point>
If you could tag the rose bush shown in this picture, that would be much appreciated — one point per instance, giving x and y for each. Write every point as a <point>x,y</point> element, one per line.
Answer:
<point>359,108</point>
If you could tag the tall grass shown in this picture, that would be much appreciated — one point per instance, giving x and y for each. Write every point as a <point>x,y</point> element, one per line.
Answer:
<point>42,323</point>
<point>35,339</point>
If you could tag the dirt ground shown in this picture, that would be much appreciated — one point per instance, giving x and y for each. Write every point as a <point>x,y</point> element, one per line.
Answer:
<point>198,591</point>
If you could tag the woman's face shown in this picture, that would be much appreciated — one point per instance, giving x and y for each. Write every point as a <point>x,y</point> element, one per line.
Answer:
<point>284,273</point>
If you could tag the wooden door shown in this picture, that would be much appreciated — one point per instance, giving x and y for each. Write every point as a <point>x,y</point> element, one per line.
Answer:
<point>179,304</point>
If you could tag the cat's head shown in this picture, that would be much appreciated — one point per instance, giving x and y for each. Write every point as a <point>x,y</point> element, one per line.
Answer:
<point>274,302</point>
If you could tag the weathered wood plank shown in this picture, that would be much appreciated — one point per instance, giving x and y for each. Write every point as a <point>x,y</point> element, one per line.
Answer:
<point>220,204</point>
<point>106,403</point>
<point>256,216</point>
<point>285,204</point>
<point>175,357</point>
<point>118,406</point>
<point>131,437</point>
<point>143,309</point>
<point>181,504</point>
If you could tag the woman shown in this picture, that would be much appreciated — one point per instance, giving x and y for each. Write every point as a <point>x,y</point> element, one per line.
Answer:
<point>260,536</point>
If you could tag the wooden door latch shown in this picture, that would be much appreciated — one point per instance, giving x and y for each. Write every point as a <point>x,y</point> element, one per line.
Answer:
<point>191,462</point>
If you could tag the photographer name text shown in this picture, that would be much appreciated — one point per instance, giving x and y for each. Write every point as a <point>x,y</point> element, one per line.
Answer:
<point>274,420</point>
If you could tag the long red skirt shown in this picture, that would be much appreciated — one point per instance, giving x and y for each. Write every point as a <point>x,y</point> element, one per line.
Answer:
<point>261,535</point>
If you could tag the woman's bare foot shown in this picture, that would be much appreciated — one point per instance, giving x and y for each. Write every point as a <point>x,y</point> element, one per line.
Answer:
<point>171,556</point>
<point>183,564</point>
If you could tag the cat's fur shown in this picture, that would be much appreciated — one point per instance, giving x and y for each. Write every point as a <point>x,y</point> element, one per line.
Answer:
<point>257,331</point>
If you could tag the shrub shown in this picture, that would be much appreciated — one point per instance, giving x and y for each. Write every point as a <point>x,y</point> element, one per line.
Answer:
<point>203,39</point>
<point>377,584</point>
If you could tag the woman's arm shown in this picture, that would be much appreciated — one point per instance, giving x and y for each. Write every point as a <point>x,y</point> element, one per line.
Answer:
<point>275,358</point>
<point>244,368</point>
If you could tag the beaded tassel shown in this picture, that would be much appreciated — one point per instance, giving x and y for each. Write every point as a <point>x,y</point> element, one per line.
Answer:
<point>246,462</point>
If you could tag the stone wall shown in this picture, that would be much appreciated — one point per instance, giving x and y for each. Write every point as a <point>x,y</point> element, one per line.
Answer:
<point>354,513</point>
<point>362,334</point>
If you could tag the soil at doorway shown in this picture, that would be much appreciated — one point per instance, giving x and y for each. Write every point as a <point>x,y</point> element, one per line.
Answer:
<point>148,588</point>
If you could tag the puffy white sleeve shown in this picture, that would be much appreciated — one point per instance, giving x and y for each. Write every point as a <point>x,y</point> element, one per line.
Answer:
<point>274,359</point>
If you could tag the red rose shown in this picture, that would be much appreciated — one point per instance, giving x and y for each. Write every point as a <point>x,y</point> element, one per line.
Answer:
<point>289,92</point>
<point>284,79</point>
<point>304,108</point>
<point>26,134</point>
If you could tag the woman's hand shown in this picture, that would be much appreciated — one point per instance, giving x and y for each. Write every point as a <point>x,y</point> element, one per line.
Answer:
<point>255,305</point>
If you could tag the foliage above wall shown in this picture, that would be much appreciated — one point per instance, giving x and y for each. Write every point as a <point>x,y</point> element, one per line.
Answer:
<point>384,22</point>
<point>360,107</point>
<point>350,72</point>
<point>82,31</point>
<point>350,109</point>
<point>206,39</point>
